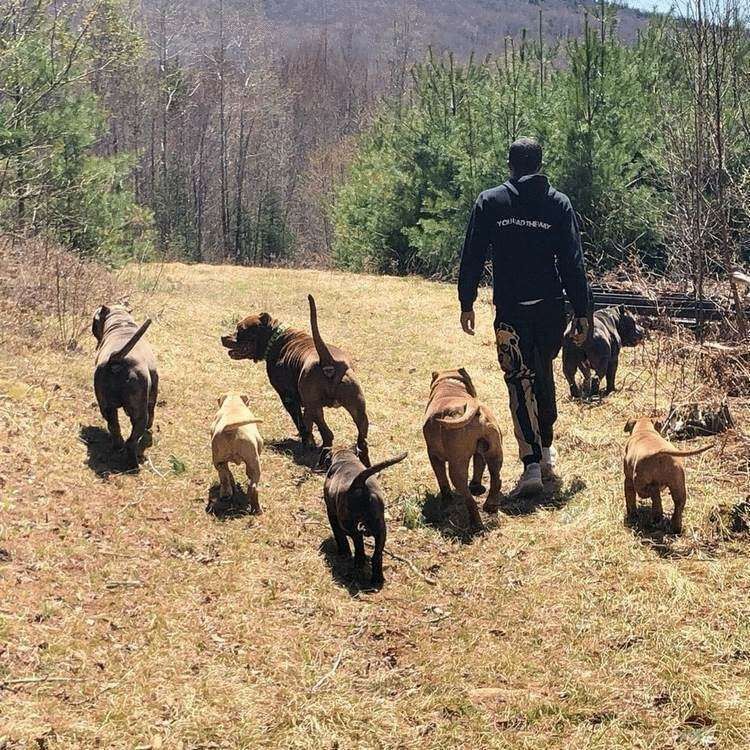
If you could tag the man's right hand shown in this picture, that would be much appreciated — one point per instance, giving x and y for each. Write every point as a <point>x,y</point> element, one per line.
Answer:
<point>468,320</point>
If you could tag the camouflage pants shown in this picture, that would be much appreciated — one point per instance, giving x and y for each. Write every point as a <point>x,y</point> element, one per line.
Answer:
<point>528,340</point>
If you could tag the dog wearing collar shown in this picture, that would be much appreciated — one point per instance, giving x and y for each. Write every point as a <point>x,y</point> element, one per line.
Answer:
<point>308,374</point>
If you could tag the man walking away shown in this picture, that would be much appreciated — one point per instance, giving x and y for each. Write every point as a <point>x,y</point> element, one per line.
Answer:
<point>536,255</point>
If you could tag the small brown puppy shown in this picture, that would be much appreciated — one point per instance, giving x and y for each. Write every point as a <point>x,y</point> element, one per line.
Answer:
<point>457,428</point>
<point>307,373</point>
<point>356,506</point>
<point>652,464</point>
<point>235,439</point>
<point>125,376</point>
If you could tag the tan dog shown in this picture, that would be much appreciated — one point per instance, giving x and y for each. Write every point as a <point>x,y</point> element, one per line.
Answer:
<point>652,464</point>
<point>307,373</point>
<point>235,439</point>
<point>457,428</point>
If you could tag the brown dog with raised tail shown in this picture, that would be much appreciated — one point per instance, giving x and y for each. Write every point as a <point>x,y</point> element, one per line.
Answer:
<point>356,507</point>
<point>307,373</point>
<point>652,464</point>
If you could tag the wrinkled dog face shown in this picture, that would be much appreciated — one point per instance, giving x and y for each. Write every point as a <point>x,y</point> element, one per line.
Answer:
<point>250,338</point>
<point>630,332</point>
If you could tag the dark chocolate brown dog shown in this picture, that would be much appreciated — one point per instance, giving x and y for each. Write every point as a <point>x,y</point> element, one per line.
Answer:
<point>613,328</point>
<point>125,376</point>
<point>307,374</point>
<point>356,507</point>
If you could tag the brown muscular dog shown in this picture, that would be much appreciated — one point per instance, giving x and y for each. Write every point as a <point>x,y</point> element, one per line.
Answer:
<point>307,374</point>
<point>457,428</point>
<point>356,506</point>
<point>652,464</point>
<point>125,376</point>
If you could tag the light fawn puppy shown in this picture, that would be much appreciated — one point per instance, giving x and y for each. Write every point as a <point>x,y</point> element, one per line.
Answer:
<point>235,439</point>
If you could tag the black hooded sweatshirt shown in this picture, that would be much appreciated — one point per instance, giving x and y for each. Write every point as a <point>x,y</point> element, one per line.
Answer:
<point>536,247</point>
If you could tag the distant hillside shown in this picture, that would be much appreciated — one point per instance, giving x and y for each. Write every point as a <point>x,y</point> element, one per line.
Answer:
<point>462,26</point>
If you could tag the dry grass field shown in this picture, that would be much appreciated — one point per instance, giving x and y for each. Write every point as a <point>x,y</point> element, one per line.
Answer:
<point>130,617</point>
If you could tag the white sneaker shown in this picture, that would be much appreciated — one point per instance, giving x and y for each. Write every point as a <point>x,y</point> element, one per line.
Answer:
<point>529,483</point>
<point>549,462</point>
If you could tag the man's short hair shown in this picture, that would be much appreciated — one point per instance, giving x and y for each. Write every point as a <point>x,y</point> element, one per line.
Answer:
<point>525,156</point>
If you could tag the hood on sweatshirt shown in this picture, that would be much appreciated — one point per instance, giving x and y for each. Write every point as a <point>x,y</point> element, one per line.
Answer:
<point>529,188</point>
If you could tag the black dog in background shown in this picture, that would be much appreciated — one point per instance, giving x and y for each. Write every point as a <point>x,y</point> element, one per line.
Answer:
<point>613,328</point>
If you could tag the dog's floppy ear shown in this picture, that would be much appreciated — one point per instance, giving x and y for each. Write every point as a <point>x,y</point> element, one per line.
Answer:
<point>266,319</point>
<point>629,425</point>
<point>97,325</point>
<point>467,379</point>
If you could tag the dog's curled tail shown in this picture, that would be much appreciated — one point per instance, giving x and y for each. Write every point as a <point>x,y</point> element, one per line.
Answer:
<point>324,353</point>
<point>134,339</point>
<point>472,409</point>
<point>685,454</point>
<point>363,476</point>
<point>227,426</point>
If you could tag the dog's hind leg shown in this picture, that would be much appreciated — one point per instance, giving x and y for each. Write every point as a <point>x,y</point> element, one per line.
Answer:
<point>631,502</point>
<point>657,511</point>
<point>226,481</point>
<point>611,374</point>
<point>495,464</point>
<point>377,560</point>
<point>139,420</point>
<point>438,466</point>
<point>252,469</point>
<point>113,425</point>
<point>475,486</point>
<point>153,396</point>
<point>459,474</point>
<point>338,533</point>
<point>359,549</point>
<point>358,412</point>
<point>679,497</point>
<point>570,368</point>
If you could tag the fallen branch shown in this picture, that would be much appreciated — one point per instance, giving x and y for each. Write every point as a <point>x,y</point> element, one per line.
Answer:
<point>123,584</point>
<point>408,562</point>
<point>35,680</point>
<point>327,676</point>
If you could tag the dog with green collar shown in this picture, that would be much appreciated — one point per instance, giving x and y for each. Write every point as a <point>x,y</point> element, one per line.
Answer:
<point>308,374</point>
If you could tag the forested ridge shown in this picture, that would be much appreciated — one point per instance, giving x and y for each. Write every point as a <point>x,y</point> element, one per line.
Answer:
<point>360,134</point>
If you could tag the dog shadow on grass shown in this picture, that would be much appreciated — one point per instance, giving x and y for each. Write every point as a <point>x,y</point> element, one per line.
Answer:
<point>658,536</point>
<point>450,518</point>
<point>225,509</point>
<point>356,580</point>
<point>301,454</point>
<point>102,458</point>
<point>556,495</point>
